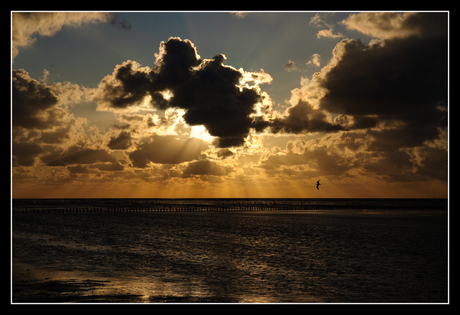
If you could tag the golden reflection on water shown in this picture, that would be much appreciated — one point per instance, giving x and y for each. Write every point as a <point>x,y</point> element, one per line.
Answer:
<point>235,258</point>
<point>70,286</point>
<point>80,287</point>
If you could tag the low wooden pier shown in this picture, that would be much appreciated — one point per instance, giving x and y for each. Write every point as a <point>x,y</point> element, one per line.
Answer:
<point>220,205</point>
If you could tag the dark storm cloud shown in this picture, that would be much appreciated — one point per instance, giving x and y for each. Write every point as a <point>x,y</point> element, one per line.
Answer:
<point>58,136</point>
<point>128,86</point>
<point>400,81</point>
<point>76,155</point>
<point>206,167</point>
<point>302,117</point>
<point>208,90</point>
<point>39,119</point>
<point>393,90</point>
<point>33,103</point>
<point>398,165</point>
<point>393,139</point>
<point>120,142</point>
<point>24,153</point>
<point>394,165</point>
<point>218,104</point>
<point>167,150</point>
<point>397,86</point>
<point>389,99</point>
<point>392,80</point>
<point>434,163</point>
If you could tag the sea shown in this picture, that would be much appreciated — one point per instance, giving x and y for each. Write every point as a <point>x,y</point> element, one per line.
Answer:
<point>230,251</point>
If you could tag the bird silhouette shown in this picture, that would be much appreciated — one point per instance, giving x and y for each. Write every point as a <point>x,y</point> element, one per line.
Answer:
<point>317,184</point>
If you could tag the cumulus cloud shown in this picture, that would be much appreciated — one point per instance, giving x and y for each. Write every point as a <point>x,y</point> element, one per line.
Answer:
<point>26,25</point>
<point>393,25</point>
<point>40,117</point>
<point>33,103</point>
<point>388,99</point>
<point>395,83</point>
<point>38,105</point>
<point>127,86</point>
<point>211,93</point>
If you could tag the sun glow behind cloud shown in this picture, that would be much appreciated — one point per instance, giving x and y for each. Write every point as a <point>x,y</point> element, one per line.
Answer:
<point>200,132</point>
<point>194,127</point>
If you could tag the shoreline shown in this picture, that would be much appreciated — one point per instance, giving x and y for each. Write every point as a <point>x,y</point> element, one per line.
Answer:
<point>155,265</point>
<point>34,285</point>
<point>31,285</point>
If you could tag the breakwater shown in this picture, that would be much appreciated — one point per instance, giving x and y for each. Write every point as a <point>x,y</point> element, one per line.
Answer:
<point>168,205</point>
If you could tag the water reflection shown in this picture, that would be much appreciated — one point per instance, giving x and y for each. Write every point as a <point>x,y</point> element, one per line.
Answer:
<point>231,257</point>
<point>33,284</point>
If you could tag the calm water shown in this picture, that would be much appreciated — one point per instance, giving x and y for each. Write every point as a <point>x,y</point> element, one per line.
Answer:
<point>302,256</point>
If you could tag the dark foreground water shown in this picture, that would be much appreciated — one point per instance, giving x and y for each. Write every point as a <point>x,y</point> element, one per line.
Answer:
<point>265,256</point>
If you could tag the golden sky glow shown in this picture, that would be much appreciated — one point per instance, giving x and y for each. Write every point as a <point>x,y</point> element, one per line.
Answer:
<point>204,117</point>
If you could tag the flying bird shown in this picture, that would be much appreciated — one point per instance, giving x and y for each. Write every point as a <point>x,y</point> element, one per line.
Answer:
<point>317,184</point>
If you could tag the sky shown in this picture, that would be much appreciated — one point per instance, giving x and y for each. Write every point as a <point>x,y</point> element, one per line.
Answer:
<point>229,104</point>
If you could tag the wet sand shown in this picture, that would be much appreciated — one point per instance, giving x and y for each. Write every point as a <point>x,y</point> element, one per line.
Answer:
<point>31,285</point>
<point>231,257</point>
